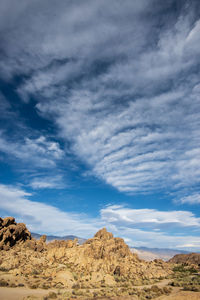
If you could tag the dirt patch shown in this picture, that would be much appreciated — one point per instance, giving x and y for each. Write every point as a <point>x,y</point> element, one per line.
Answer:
<point>20,293</point>
<point>181,295</point>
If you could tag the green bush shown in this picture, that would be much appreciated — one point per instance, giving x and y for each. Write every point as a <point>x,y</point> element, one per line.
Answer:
<point>184,269</point>
<point>188,283</point>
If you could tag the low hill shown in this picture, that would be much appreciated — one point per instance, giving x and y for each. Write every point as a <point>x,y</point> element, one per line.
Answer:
<point>191,258</point>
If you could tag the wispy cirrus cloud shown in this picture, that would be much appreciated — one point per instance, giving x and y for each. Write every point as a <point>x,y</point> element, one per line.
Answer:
<point>48,182</point>
<point>37,159</point>
<point>191,199</point>
<point>39,152</point>
<point>135,146</point>
<point>124,95</point>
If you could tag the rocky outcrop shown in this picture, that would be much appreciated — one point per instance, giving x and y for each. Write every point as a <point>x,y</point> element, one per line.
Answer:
<point>12,233</point>
<point>103,235</point>
<point>36,245</point>
<point>63,244</point>
<point>100,262</point>
<point>189,259</point>
<point>104,246</point>
<point>105,258</point>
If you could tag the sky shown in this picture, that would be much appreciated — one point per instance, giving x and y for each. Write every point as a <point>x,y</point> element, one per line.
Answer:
<point>100,118</point>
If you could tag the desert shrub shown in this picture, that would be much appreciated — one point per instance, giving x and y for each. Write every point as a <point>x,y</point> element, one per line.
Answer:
<point>184,269</point>
<point>193,270</point>
<point>188,283</point>
<point>3,269</point>
<point>78,292</point>
<point>59,285</point>
<point>45,286</point>
<point>155,288</point>
<point>76,286</point>
<point>3,282</point>
<point>50,279</point>
<point>51,295</point>
<point>20,285</point>
<point>179,268</point>
<point>33,286</point>
<point>132,292</point>
<point>153,292</point>
<point>35,272</point>
<point>126,285</point>
<point>117,278</point>
<point>193,288</point>
<point>95,294</point>
<point>13,285</point>
<point>75,276</point>
<point>166,290</point>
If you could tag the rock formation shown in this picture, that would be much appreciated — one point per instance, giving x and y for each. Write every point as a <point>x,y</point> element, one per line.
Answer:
<point>12,233</point>
<point>190,259</point>
<point>102,261</point>
<point>105,258</point>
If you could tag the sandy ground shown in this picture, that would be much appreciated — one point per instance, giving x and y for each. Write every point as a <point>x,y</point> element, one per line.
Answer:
<point>160,284</point>
<point>7,293</point>
<point>19,293</point>
<point>181,295</point>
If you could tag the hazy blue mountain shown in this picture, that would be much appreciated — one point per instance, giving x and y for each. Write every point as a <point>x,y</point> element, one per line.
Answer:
<point>163,250</point>
<point>54,237</point>
<point>159,253</point>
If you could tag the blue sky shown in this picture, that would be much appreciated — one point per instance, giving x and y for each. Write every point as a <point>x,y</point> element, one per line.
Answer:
<point>100,118</point>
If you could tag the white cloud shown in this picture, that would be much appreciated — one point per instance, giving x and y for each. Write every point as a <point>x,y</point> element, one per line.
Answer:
<point>197,245</point>
<point>148,218</point>
<point>153,239</point>
<point>123,222</point>
<point>53,182</point>
<point>191,199</point>
<point>41,217</point>
<point>122,89</point>
<point>149,144</point>
<point>40,152</point>
<point>152,228</point>
<point>73,31</point>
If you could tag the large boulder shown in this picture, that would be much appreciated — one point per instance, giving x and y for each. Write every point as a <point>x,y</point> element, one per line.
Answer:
<point>12,233</point>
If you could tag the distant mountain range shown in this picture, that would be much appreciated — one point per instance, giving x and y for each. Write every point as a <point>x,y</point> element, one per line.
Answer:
<point>156,253</point>
<point>54,237</point>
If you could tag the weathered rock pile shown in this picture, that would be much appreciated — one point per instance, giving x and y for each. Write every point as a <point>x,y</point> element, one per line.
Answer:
<point>190,259</point>
<point>101,261</point>
<point>101,268</point>
<point>105,258</point>
<point>12,233</point>
<point>103,246</point>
